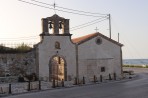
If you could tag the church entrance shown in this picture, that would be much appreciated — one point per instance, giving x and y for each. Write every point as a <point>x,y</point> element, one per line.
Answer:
<point>57,69</point>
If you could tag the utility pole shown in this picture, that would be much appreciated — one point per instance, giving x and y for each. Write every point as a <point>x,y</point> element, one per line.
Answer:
<point>109,17</point>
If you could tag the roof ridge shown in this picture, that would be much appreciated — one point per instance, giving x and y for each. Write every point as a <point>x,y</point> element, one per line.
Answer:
<point>82,39</point>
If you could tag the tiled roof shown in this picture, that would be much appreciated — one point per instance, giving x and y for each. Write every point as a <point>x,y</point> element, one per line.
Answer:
<point>85,38</point>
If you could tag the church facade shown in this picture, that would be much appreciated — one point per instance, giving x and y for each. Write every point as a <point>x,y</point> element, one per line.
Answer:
<point>58,57</point>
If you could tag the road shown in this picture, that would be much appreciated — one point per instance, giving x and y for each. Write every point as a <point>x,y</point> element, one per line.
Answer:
<point>134,88</point>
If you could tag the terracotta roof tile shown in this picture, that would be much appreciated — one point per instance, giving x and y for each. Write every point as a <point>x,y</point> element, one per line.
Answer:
<point>85,38</point>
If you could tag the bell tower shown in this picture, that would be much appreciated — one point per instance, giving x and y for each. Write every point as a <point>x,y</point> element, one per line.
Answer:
<point>54,23</point>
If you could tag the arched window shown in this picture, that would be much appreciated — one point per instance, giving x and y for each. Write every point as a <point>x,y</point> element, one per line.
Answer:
<point>57,45</point>
<point>98,41</point>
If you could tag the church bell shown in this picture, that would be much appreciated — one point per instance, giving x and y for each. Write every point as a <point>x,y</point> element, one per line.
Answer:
<point>60,25</point>
<point>50,25</point>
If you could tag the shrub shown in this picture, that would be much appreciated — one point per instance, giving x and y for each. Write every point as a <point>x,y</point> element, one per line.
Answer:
<point>135,66</point>
<point>18,49</point>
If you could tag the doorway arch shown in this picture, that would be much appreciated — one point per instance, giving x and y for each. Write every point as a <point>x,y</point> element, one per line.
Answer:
<point>57,68</point>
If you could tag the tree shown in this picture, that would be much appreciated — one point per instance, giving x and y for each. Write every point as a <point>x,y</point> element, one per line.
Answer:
<point>2,47</point>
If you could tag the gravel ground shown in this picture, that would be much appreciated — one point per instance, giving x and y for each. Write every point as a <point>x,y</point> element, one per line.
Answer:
<point>136,70</point>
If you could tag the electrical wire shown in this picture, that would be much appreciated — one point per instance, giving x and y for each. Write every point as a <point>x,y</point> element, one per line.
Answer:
<point>87,25</point>
<point>20,37</point>
<point>58,9</point>
<point>67,8</point>
<point>73,28</point>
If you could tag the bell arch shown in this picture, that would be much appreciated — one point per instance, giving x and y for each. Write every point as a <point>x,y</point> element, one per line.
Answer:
<point>57,68</point>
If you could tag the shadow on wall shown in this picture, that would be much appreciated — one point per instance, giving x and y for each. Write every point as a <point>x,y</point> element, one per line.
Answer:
<point>26,78</point>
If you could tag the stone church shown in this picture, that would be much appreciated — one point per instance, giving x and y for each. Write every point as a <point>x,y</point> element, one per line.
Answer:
<point>61,58</point>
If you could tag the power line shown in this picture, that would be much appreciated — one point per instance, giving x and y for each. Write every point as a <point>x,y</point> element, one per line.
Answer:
<point>66,8</point>
<point>87,25</point>
<point>73,28</point>
<point>20,37</point>
<point>87,22</point>
<point>59,10</point>
<point>36,37</point>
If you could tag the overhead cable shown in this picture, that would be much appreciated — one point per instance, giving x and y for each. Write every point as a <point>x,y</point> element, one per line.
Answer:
<point>59,10</point>
<point>87,25</point>
<point>67,8</point>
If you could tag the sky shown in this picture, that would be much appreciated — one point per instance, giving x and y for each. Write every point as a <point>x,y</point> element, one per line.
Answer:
<point>21,22</point>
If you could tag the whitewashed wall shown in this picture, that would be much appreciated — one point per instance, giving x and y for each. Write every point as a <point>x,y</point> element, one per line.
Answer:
<point>46,50</point>
<point>93,56</point>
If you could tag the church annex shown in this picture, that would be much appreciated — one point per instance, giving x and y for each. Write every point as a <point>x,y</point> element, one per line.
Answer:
<point>58,57</point>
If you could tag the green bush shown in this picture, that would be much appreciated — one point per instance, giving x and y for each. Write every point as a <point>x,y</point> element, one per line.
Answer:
<point>135,66</point>
<point>18,49</point>
<point>23,47</point>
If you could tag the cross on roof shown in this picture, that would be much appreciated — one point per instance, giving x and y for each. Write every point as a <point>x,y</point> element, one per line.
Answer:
<point>96,29</point>
<point>54,5</point>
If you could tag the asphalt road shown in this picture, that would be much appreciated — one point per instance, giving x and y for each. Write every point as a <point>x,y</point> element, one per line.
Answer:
<point>134,88</point>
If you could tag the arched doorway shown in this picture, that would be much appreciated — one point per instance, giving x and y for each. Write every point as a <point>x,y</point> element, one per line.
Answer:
<point>57,69</point>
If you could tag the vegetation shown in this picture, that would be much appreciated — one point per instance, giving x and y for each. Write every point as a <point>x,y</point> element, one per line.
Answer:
<point>18,49</point>
<point>136,66</point>
<point>23,48</point>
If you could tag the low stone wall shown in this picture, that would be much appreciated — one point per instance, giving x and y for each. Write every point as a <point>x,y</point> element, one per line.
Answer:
<point>8,79</point>
<point>17,63</point>
<point>17,87</point>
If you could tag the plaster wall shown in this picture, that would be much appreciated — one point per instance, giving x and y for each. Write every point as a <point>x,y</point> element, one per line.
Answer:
<point>46,50</point>
<point>93,56</point>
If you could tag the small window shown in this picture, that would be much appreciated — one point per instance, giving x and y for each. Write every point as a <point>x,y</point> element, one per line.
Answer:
<point>102,69</point>
<point>98,41</point>
<point>57,45</point>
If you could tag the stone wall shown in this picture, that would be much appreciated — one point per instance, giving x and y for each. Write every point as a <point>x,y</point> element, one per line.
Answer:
<point>17,64</point>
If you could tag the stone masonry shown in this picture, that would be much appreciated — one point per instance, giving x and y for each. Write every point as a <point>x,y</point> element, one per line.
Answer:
<point>17,64</point>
